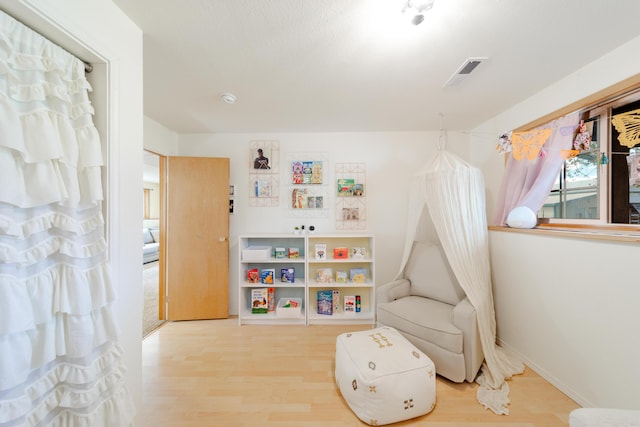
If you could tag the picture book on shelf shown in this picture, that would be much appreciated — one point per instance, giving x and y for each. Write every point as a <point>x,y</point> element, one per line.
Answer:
<point>341,277</point>
<point>358,304</point>
<point>259,300</point>
<point>349,304</point>
<point>253,275</point>
<point>280,253</point>
<point>340,253</point>
<point>271,300</point>
<point>267,275</point>
<point>358,275</point>
<point>294,252</point>
<point>321,250</point>
<point>325,302</point>
<point>337,308</point>
<point>357,252</point>
<point>287,275</point>
<point>324,275</point>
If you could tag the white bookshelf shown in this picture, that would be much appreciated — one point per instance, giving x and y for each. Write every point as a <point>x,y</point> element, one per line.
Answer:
<point>282,290</point>
<point>305,286</point>
<point>365,290</point>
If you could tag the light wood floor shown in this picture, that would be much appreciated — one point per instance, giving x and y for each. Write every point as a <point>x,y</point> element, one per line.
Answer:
<point>217,373</point>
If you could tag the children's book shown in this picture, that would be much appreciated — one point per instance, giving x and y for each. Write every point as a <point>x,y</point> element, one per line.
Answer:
<point>294,252</point>
<point>349,304</point>
<point>271,300</point>
<point>287,275</point>
<point>324,275</point>
<point>299,198</point>
<point>345,187</point>
<point>358,275</point>
<point>358,304</point>
<point>321,250</point>
<point>325,302</point>
<point>259,300</point>
<point>263,188</point>
<point>253,276</point>
<point>267,275</point>
<point>341,277</point>
<point>357,252</point>
<point>280,252</point>
<point>340,253</point>
<point>316,173</point>
<point>337,307</point>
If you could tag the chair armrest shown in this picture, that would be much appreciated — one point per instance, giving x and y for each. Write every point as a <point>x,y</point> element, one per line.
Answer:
<point>392,291</point>
<point>465,319</point>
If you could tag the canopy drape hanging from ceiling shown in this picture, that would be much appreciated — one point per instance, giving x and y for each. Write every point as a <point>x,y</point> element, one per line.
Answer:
<point>452,194</point>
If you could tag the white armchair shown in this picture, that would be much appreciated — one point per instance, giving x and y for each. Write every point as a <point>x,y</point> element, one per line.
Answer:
<point>431,310</point>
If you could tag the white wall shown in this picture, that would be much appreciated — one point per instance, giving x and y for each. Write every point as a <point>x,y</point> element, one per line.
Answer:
<point>159,139</point>
<point>568,307</point>
<point>391,161</point>
<point>99,32</point>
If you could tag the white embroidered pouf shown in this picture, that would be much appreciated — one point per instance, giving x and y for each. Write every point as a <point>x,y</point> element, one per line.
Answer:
<point>383,377</point>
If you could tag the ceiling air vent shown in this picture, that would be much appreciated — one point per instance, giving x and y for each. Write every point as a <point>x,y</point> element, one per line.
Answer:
<point>464,70</point>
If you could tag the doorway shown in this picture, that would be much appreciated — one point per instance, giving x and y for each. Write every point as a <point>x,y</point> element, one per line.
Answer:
<point>152,317</point>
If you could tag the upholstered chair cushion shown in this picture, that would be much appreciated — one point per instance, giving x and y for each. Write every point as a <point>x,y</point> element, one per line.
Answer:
<point>423,318</point>
<point>430,274</point>
<point>146,236</point>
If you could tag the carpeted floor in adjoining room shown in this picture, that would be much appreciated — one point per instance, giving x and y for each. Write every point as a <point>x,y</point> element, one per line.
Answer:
<point>150,279</point>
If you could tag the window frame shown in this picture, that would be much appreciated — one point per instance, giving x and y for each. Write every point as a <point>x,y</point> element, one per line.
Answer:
<point>602,108</point>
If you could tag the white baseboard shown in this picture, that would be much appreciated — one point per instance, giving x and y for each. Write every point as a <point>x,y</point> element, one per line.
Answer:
<point>564,388</point>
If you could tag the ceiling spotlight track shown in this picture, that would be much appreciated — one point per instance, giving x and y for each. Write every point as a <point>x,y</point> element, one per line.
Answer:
<point>417,7</point>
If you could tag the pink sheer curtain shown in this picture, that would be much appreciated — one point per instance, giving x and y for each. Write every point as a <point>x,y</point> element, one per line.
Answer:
<point>527,182</point>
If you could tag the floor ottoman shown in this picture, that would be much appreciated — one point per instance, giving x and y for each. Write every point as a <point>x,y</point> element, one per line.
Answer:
<point>383,377</point>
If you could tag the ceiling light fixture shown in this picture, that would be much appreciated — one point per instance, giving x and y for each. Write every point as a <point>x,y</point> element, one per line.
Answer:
<point>229,98</point>
<point>417,7</point>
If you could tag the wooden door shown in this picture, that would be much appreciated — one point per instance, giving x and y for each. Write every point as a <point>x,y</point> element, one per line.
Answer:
<point>197,243</point>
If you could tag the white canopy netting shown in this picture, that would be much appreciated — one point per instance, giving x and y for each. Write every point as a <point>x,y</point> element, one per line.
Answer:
<point>452,191</point>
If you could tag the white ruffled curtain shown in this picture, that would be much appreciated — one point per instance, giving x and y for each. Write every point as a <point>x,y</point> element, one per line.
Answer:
<point>453,193</point>
<point>60,362</point>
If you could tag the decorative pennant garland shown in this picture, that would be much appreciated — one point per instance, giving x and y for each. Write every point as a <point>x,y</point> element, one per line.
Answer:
<point>528,144</point>
<point>567,154</point>
<point>628,124</point>
<point>504,143</point>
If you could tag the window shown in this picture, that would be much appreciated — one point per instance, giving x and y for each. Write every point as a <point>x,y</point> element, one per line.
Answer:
<point>594,186</point>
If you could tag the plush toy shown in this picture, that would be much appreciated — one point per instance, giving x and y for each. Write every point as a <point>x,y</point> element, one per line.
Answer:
<point>582,140</point>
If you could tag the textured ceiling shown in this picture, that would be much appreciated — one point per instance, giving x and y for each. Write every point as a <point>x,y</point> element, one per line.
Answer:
<point>351,65</point>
